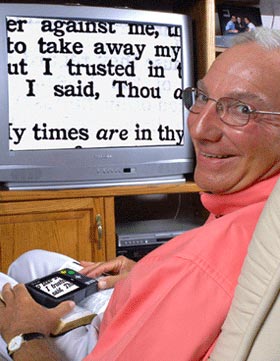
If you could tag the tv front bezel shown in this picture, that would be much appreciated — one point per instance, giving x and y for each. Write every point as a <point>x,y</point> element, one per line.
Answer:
<point>55,168</point>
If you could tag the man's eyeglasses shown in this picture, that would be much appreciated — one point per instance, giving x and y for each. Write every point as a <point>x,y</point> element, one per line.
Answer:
<point>231,111</point>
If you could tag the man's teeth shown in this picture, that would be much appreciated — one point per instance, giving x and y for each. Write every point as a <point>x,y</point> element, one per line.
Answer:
<point>215,156</point>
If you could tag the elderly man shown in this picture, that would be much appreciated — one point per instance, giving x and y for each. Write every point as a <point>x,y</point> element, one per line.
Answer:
<point>174,301</point>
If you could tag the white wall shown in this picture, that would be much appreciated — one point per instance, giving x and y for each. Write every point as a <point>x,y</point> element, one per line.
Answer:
<point>270,11</point>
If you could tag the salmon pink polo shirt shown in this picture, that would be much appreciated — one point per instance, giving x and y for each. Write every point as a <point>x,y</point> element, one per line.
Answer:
<point>175,300</point>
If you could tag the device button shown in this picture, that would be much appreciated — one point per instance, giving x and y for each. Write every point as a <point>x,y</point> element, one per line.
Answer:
<point>71,272</point>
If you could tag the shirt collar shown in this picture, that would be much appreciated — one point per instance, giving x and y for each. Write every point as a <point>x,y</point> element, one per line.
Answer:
<point>221,204</point>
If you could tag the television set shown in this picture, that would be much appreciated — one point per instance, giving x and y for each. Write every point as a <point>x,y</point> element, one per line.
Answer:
<point>92,96</point>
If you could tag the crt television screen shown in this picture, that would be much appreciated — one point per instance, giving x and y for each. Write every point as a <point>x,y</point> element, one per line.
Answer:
<point>113,84</point>
<point>91,96</point>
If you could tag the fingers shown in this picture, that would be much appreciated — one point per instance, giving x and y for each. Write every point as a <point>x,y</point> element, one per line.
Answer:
<point>112,266</point>
<point>7,293</point>
<point>89,268</point>
<point>115,266</point>
<point>96,269</point>
<point>16,295</point>
<point>20,291</point>
<point>87,263</point>
<point>118,269</point>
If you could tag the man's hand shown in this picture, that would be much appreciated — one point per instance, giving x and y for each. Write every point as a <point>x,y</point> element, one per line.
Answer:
<point>21,314</point>
<point>118,269</point>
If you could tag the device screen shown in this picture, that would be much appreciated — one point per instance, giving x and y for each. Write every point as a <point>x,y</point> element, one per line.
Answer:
<point>56,286</point>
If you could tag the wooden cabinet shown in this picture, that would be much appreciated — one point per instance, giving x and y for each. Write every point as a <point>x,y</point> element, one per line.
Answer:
<point>68,226</point>
<point>78,223</point>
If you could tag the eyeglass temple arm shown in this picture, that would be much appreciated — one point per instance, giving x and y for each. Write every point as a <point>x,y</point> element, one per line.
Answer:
<point>265,112</point>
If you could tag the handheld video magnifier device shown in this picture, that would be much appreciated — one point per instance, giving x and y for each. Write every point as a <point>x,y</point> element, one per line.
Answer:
<point>65,284</point>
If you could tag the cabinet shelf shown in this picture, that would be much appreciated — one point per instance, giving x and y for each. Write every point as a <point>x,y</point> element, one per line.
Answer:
<point>15,196</point>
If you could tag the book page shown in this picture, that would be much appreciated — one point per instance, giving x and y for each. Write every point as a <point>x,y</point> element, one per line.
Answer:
<point>95,303</point>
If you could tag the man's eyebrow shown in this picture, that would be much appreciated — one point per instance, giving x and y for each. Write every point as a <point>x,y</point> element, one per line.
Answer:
<point>246,96</point>
<point>200,85</point>
<point>240,95</point>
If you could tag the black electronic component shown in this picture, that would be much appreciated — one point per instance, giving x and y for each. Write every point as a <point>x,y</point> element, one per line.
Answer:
<point>65,284</point>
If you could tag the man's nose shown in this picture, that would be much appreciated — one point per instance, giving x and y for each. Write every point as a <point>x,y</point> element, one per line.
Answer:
<point>206,125</point>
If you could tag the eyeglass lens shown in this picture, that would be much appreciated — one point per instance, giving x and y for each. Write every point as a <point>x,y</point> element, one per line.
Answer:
<point>231,111</point>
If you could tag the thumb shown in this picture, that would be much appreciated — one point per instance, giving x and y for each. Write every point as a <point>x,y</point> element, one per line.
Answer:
<point>110,281</point>
<point>62,309</point>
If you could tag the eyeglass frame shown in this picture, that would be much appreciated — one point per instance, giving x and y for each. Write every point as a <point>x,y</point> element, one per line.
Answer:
<point>251,109</point>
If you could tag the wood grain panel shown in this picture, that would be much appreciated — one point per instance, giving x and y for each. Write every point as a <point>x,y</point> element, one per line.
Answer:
<point>67,227</point>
